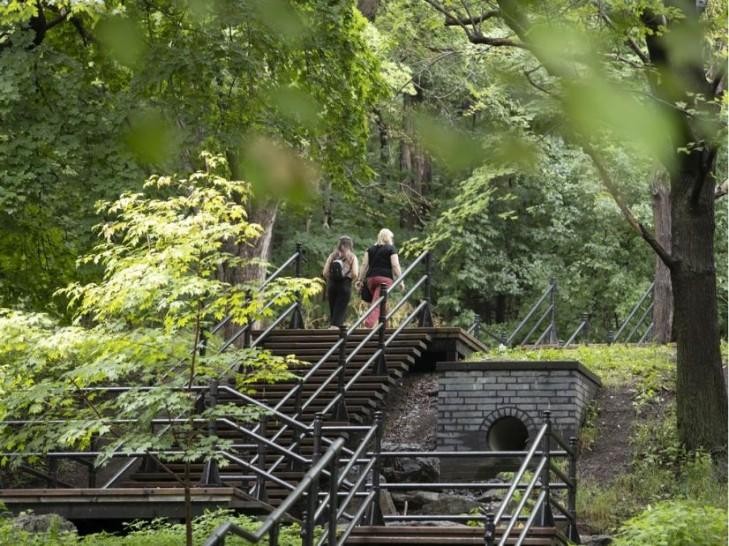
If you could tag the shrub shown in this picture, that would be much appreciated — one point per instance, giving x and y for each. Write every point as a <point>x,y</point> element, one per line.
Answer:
<point>676,523</point>
<point>155,533</point>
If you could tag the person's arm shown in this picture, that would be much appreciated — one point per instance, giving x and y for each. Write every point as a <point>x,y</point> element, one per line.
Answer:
<point>355,268</point>
<point>363,269</point>
<point>325,272</point>
<point>395,263</point>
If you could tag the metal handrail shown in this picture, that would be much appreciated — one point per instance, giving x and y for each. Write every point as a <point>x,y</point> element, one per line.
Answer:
<point>537,324</point>
<point>530,521</point>
<point>263,285</point>
<point>530,313</point>
<point>295,256</point>
<point>405,297</point>
<point>542,476</point>
<point>273,520</point>
<point>633,311</point>
<point>409,268</point>
<point>523,501</point>
<point>520,473</point>
<point>583,326</point>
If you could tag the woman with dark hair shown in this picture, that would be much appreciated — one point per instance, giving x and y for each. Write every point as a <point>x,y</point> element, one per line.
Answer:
<point>339,270</point>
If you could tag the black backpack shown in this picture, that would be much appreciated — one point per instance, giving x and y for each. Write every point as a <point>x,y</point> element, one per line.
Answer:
<point>336,269</point>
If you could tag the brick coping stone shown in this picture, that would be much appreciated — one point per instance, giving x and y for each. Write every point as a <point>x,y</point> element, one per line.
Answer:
<point>518,365</point>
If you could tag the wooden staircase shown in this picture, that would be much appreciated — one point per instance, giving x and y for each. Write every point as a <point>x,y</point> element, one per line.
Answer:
<point>365,396</point>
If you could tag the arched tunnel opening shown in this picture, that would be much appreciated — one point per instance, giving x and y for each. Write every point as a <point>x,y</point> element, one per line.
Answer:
<point>507,434</point>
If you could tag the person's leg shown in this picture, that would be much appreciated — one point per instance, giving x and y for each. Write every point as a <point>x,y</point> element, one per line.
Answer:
<point>332,297</point>
<point>374,286</point>
<point>373,317</point>
<point>344,292</point>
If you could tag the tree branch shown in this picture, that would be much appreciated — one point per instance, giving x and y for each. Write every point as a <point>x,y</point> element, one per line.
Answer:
<point>86,36</point>
<point>613,190</point>
<point>498,42</point>
<point>453,21</point>
<point>527,75</point>
<point>632,44</point>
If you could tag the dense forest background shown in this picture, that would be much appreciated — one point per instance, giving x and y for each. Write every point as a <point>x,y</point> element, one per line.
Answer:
<point>382,117</point>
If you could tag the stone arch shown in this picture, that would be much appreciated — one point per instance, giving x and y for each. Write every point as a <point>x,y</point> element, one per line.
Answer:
<point>507,429</point>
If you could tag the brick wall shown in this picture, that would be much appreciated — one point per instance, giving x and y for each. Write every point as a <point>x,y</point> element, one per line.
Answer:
<point>473,395</point>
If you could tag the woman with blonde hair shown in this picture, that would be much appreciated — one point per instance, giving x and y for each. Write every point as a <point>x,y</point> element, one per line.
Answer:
<point>340,269</point>
<point>380,265</point>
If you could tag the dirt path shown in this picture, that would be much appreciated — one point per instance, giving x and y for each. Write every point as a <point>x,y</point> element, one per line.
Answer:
<point>610,454</point>
<point>412,411</point>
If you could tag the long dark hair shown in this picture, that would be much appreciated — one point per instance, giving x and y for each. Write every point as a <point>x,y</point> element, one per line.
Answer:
<point>345,247</point>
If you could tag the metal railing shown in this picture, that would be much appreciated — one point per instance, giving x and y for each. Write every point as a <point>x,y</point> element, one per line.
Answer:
<point>549,315</point>
<point>336,406</point>
<point>545,501</point>
<point>327,508</point>
<point>296,319</point>
<point>581,332</point>
<point>639,322</point>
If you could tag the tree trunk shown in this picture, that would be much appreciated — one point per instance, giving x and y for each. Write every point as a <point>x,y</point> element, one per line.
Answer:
<point>662,295</point>
<point>415,168</point>
<point>368,8</point>
<point>701,393</point>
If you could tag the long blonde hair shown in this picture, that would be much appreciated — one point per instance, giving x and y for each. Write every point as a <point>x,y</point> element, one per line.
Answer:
<point>385,237</point>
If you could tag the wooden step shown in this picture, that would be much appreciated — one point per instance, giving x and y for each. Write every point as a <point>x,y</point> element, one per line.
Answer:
<point>426,535</point>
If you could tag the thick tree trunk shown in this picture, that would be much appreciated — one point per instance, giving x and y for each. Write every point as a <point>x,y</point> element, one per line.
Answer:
<point>700,388</point>
<point>662,295</point>
<point>263,214</point>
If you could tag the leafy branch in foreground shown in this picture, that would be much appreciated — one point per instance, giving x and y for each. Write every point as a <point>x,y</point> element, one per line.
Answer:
<point>141,327</point>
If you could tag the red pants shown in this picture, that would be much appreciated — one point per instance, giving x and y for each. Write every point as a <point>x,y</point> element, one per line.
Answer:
<point>373,283</point>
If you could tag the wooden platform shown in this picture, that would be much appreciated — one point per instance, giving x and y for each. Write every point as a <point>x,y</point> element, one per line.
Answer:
<point>127,503</point>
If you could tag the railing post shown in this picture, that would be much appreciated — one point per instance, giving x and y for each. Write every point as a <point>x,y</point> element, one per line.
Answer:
<point>297,319</point>
<point>572,532</point>
<point>381,367</point>
<point>295,464</point>
<point>586,328</point>
<point>261,493</point>
<point>273,534</point>
<point>341,412</point>
<point>308,522</point>
<point>426,316</point>
<point>52,480</point>
<point>333,501</point>
<point>489,529</point>
<point>545,513</point>
<point>553,314</point>
<point>210,474</point>
<point>247,335</point>
<point>375,512</point>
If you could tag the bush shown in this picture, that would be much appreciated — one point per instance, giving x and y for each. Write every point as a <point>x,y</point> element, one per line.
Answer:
<point>154,533</point>
<point>676,523</point>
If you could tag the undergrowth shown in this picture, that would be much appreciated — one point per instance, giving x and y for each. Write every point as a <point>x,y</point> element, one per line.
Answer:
<point>155,533</point>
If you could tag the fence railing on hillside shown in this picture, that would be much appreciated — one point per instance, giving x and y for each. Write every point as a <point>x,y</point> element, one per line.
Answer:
<point>638,324</point>
<point>637,327</point>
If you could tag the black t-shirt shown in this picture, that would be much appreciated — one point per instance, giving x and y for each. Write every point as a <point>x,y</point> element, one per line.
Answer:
<point>378,260</point>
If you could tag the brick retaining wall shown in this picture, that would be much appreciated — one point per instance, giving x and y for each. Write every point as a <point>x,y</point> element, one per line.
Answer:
<point>473,395</point>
